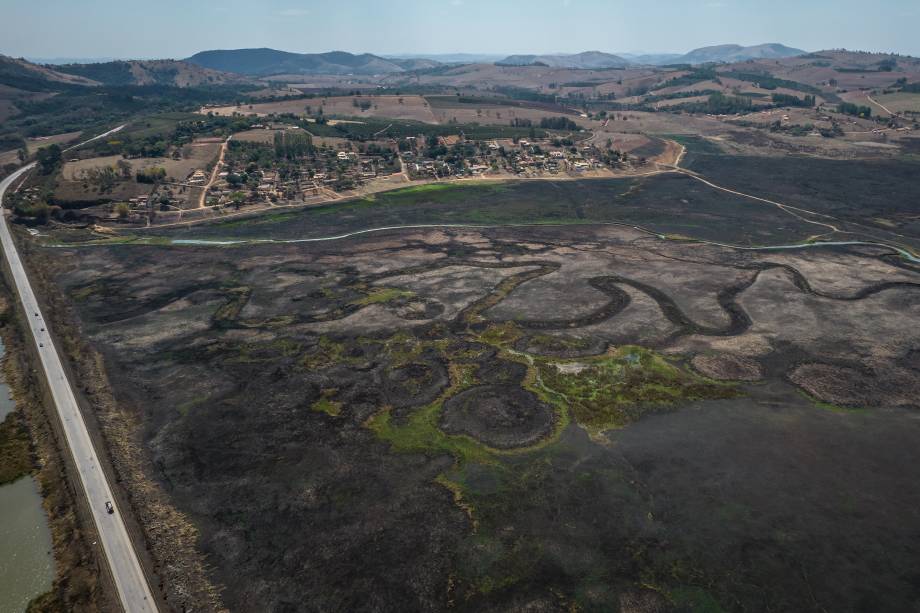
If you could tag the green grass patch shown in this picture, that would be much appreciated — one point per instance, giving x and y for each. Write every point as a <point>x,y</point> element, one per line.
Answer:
<point>420,432</point>
<point>829,406</point>
<point>327,353</point>
<point>501,335</point>
<point>327,405</point>
<point>614,390</point>
<point>383,295</point>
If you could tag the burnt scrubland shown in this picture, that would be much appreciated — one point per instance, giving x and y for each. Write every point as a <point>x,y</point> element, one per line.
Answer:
<point>870,196</point>
<point>668,203</point>
<point>540,418</point>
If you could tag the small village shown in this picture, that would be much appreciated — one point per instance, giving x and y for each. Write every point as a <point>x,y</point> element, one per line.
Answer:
<point>258,169</point>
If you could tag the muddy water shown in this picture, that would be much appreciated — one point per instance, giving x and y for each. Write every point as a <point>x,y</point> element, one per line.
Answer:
<point>26,561</point>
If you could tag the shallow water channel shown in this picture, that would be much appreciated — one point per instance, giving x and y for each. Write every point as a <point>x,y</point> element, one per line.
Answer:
<point>26,561</point>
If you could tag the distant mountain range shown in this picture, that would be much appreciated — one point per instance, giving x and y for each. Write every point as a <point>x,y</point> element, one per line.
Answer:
<point>150,72</point>
<point>655,59</point>
<point>267,62</point>
<point>449,58</point>
<point>736,53</point>
<point>717,53</point>
<point>27,76</point>
<point>224,67</point>
<point>587,60</point>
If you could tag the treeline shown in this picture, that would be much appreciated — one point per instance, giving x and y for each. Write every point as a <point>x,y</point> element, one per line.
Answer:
<point>558,123</point>
<point>110,73</point>
<point>146,138</point>
<point>11,141</point>
<point>374,128</point>
<point>789,100</point>
<point>677,95</point>
<point>767,81</point>
<point>154,174</point>
<point>292,145</point>
<point>89,107</point>
<point>527,95</point>
<point>848,108</point>
<point>696,75</point>
<point>718,104</point>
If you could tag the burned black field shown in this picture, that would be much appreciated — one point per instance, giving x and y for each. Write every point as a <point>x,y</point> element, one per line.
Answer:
<point>544,419</point>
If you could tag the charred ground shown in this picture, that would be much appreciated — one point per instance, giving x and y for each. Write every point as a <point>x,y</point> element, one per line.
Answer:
<point>523,418</point>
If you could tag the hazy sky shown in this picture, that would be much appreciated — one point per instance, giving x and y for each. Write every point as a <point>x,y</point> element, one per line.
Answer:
<point>179,28</point>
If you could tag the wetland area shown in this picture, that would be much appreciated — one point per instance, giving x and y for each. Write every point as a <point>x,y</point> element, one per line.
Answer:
<point>520,418</point>
<point>554,334</point>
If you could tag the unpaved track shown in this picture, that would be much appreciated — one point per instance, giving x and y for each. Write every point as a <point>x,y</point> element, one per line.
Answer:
<point>214,171</point>
<point>881,106</point>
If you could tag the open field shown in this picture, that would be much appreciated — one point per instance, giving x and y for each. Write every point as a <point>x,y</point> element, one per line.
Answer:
<point>394,107</point>
<point>900,101</point>
<point>74,187</point>
<point>446,396</point>
<point>34,144</point>
<point>446,110</point>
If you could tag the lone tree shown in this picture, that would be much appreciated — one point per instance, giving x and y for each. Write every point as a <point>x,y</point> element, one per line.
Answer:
<point>49,158</point>
<point>124,168</point>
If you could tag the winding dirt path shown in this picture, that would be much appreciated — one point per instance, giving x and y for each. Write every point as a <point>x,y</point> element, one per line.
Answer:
<point>881,106</point>
<point>214,171</point>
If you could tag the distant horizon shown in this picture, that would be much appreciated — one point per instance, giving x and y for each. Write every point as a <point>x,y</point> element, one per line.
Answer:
<point>175,29</point>
<point>484,57</point>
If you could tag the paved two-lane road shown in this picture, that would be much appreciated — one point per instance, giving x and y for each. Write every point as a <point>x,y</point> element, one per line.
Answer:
<point>130,581</point>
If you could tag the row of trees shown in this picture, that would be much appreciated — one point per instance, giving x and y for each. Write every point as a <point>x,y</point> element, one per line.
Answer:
<point>154,174</point>
<point>789,100</point>
<point>558,123</point>
<point>292,145</point>
<point>848,108</point>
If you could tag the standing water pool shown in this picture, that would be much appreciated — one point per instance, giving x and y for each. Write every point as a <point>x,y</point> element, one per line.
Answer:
<point>26,560</point>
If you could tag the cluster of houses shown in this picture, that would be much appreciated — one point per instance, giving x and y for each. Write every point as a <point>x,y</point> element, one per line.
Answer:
<point>522,158</point>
